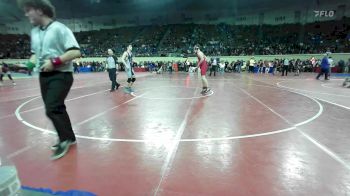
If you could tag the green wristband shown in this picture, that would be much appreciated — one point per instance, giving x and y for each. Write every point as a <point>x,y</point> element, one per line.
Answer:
<point>30,65</point>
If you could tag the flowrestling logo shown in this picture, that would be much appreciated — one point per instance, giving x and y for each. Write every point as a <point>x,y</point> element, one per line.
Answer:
<point>324,13</point>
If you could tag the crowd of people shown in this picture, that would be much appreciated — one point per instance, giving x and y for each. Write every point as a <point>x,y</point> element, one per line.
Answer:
<point>93,66</point>
<point>215,40</point>
<point>216,65</point>
<point>14,46</point>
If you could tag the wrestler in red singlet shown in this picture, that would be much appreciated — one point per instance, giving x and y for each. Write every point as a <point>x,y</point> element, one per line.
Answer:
<point>203,65</point>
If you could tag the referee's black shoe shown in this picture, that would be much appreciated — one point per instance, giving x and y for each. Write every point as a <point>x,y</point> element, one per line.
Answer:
<point>62,149</point>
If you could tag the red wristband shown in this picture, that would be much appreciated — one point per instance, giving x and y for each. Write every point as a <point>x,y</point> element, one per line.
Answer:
<point>56,62</point>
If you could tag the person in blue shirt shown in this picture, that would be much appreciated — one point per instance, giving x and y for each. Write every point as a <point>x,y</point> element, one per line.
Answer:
<point>324,68</point>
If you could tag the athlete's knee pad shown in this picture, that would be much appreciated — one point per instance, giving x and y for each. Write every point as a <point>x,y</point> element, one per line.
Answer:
<point>129,80</point>
<point>133,79</point>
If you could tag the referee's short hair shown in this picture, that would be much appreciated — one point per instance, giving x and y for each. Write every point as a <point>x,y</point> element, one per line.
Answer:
<point>44,5</point>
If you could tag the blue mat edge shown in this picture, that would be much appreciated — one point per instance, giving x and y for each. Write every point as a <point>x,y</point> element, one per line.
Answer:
<point>60,193</point>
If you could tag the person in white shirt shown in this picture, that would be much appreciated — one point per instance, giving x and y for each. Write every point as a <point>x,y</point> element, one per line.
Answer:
<point>187,65</point>
<point>268,67</point>
<point>222,67</point>
<point>331,65</point>
<point>127,60</point>
<point>53,47</point>
<point>285,67</point>
<point>251,64</point>
<point>214,67</point>
<point>111,66</point>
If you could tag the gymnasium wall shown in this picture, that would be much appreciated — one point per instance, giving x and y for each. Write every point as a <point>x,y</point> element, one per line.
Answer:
<point>267,15</point>
<point>293,14</point>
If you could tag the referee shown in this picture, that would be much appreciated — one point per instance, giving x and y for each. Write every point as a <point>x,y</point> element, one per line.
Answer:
<point>111,66</point>
<point>285,66</point>
<point>53,48</point>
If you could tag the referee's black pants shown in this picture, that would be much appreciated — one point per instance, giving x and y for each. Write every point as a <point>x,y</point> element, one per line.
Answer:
<point>285,70</point>
<point>55,87</point>
<point>113,77</point>
<point>213,69</point>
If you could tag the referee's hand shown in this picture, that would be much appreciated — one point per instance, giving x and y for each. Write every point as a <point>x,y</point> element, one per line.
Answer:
<point>47,67</point>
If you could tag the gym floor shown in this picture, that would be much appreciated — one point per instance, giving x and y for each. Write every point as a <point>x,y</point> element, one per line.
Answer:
<point>254,135</point>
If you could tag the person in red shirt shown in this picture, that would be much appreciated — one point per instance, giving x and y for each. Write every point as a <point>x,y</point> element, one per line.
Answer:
<point>203,65</point>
